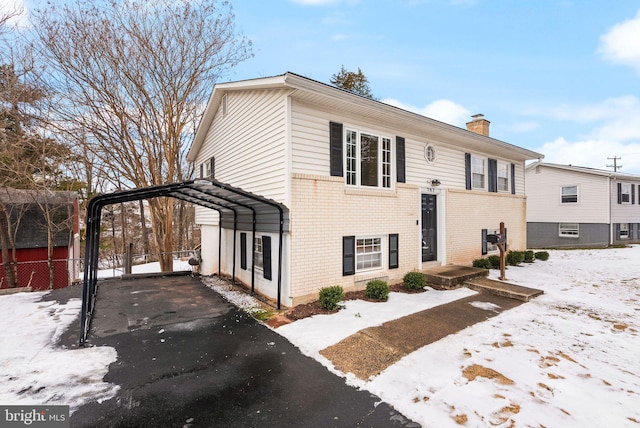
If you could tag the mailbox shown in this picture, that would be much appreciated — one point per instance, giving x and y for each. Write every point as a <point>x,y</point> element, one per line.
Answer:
<point>496,238</point>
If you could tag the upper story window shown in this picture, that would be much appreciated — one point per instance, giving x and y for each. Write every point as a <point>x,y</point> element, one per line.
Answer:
<point>569,194</point>
<point>477,172</point>
<point>367,159</point>
<point>503,177</point>
<point>625,193</point>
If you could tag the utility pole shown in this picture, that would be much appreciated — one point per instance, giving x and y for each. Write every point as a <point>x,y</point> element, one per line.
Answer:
<point>615,165</point>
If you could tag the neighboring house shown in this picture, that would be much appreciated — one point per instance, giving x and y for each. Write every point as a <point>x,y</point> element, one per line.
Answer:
<point>371,190</point>
<point>571,206</point>
<point>35,218</point>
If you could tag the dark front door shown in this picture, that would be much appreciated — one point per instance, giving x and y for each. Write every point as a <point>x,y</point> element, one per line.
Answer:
<point>429,228</point>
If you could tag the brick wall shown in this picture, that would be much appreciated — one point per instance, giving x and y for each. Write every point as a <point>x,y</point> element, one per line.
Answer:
<point>468,212</point>
<point>324,210</point>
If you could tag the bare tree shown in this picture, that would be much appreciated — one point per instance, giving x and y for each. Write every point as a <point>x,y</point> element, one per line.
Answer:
<point>135,75</point>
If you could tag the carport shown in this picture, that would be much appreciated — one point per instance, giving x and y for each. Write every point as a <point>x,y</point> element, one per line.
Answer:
<point>238,209</point>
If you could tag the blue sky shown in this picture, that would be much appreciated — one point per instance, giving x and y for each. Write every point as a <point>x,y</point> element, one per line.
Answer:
<point>556,76</point>
<point>560,77</point>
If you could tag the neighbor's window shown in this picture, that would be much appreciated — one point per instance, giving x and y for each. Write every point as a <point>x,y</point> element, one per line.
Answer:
<point>624,230</point>
<point>257,248</point>
<point>569,230</point>
<point>569,194</point>
<point>477,173</point>
<point>503,177</point>
<point>368,159</point>
<point>368,253</point>
<point>625,193</point>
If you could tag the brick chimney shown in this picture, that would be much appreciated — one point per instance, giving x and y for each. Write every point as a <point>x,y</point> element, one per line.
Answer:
<point>479,125</point>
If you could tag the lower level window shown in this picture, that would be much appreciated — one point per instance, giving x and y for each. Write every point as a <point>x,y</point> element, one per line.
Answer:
<point>624,230</point>
<point>257,248</point>
<point>569,230</point>
<point>368,253</point>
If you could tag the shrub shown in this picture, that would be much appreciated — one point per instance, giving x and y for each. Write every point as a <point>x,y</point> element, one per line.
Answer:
<point>529,256</point>
<point>514,258</point>
<point>414,281</point>
<point>494,260</point>
<point>542,255</point>
<point>482,263</point>
<point>377,289</point>
<point>329,297</point>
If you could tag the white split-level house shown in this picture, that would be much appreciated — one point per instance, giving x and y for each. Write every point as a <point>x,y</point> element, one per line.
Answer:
<point>371,190</point>
<point>572,206</point>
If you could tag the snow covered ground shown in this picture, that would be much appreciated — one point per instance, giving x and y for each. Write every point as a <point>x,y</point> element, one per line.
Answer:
<point>570,357</point>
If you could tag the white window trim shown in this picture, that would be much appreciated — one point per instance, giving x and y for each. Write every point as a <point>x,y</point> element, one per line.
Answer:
<point>259,261</point>
<point>567,232</point>
<point>381,252</point>
<point>358,159</point>
<point>484,172</point>
<point>628,193</point>
<point>577,194</point>
<point>507,167</point>
<point>627,229</point>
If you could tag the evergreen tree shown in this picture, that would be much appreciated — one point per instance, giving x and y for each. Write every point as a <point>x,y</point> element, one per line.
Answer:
<point>352,82</point>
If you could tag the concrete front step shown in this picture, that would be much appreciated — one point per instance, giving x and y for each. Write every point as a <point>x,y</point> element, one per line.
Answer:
<point>449,277</point>
<point>502,288</point>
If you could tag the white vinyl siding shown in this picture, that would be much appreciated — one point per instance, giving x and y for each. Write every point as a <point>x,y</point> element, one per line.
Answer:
<point>249,144</point>
<point>625,212</point>
<point>544,196</point>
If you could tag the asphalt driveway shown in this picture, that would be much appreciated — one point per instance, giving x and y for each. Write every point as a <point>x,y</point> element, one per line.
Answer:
<point>188,358</point>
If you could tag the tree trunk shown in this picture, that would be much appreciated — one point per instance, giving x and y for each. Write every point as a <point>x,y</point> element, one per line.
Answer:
<point>7,264</point>
<point>162,222</point>
<point>145,232</point>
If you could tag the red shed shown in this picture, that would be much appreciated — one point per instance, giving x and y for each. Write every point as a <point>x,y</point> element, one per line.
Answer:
<point>32,220</point>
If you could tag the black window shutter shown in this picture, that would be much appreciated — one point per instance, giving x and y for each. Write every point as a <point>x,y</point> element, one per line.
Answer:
<point>493,175</point>
<point>201,170</point>
<point>619,193</point>
<point>212,163</point>
<point>348,255</point>
<point>467,170</point>
<point>243,250</point>
<point>484,241</point>
<point>393,251</point>
<point>335,149</point>
<point>266,256</point>
<point>513,179</point>
<point>400,160</point>
<point>616,231</point>
<point>633,194</point>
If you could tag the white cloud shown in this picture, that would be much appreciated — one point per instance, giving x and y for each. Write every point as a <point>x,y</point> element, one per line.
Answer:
<point>443,110</point>
<point>592,153</point>
<point>609,108</point>
<point>621,44</point>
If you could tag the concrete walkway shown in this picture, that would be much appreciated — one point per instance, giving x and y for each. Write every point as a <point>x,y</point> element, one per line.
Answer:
<point>372,350</point>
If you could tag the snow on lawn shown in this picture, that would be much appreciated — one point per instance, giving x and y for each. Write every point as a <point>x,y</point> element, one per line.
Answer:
<point>33,369</point>
<point>178,265</point>
<point>570,357</point>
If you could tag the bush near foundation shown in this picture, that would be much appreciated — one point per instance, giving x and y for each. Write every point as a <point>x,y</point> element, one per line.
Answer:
<point>414,281</point>
<point>481,263</point>
<point>514,258</point>
<point>377,289</point>
<point>529,256</point>
<point>329,297</point>
<point>495,261</point>
<point>542,255</point>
